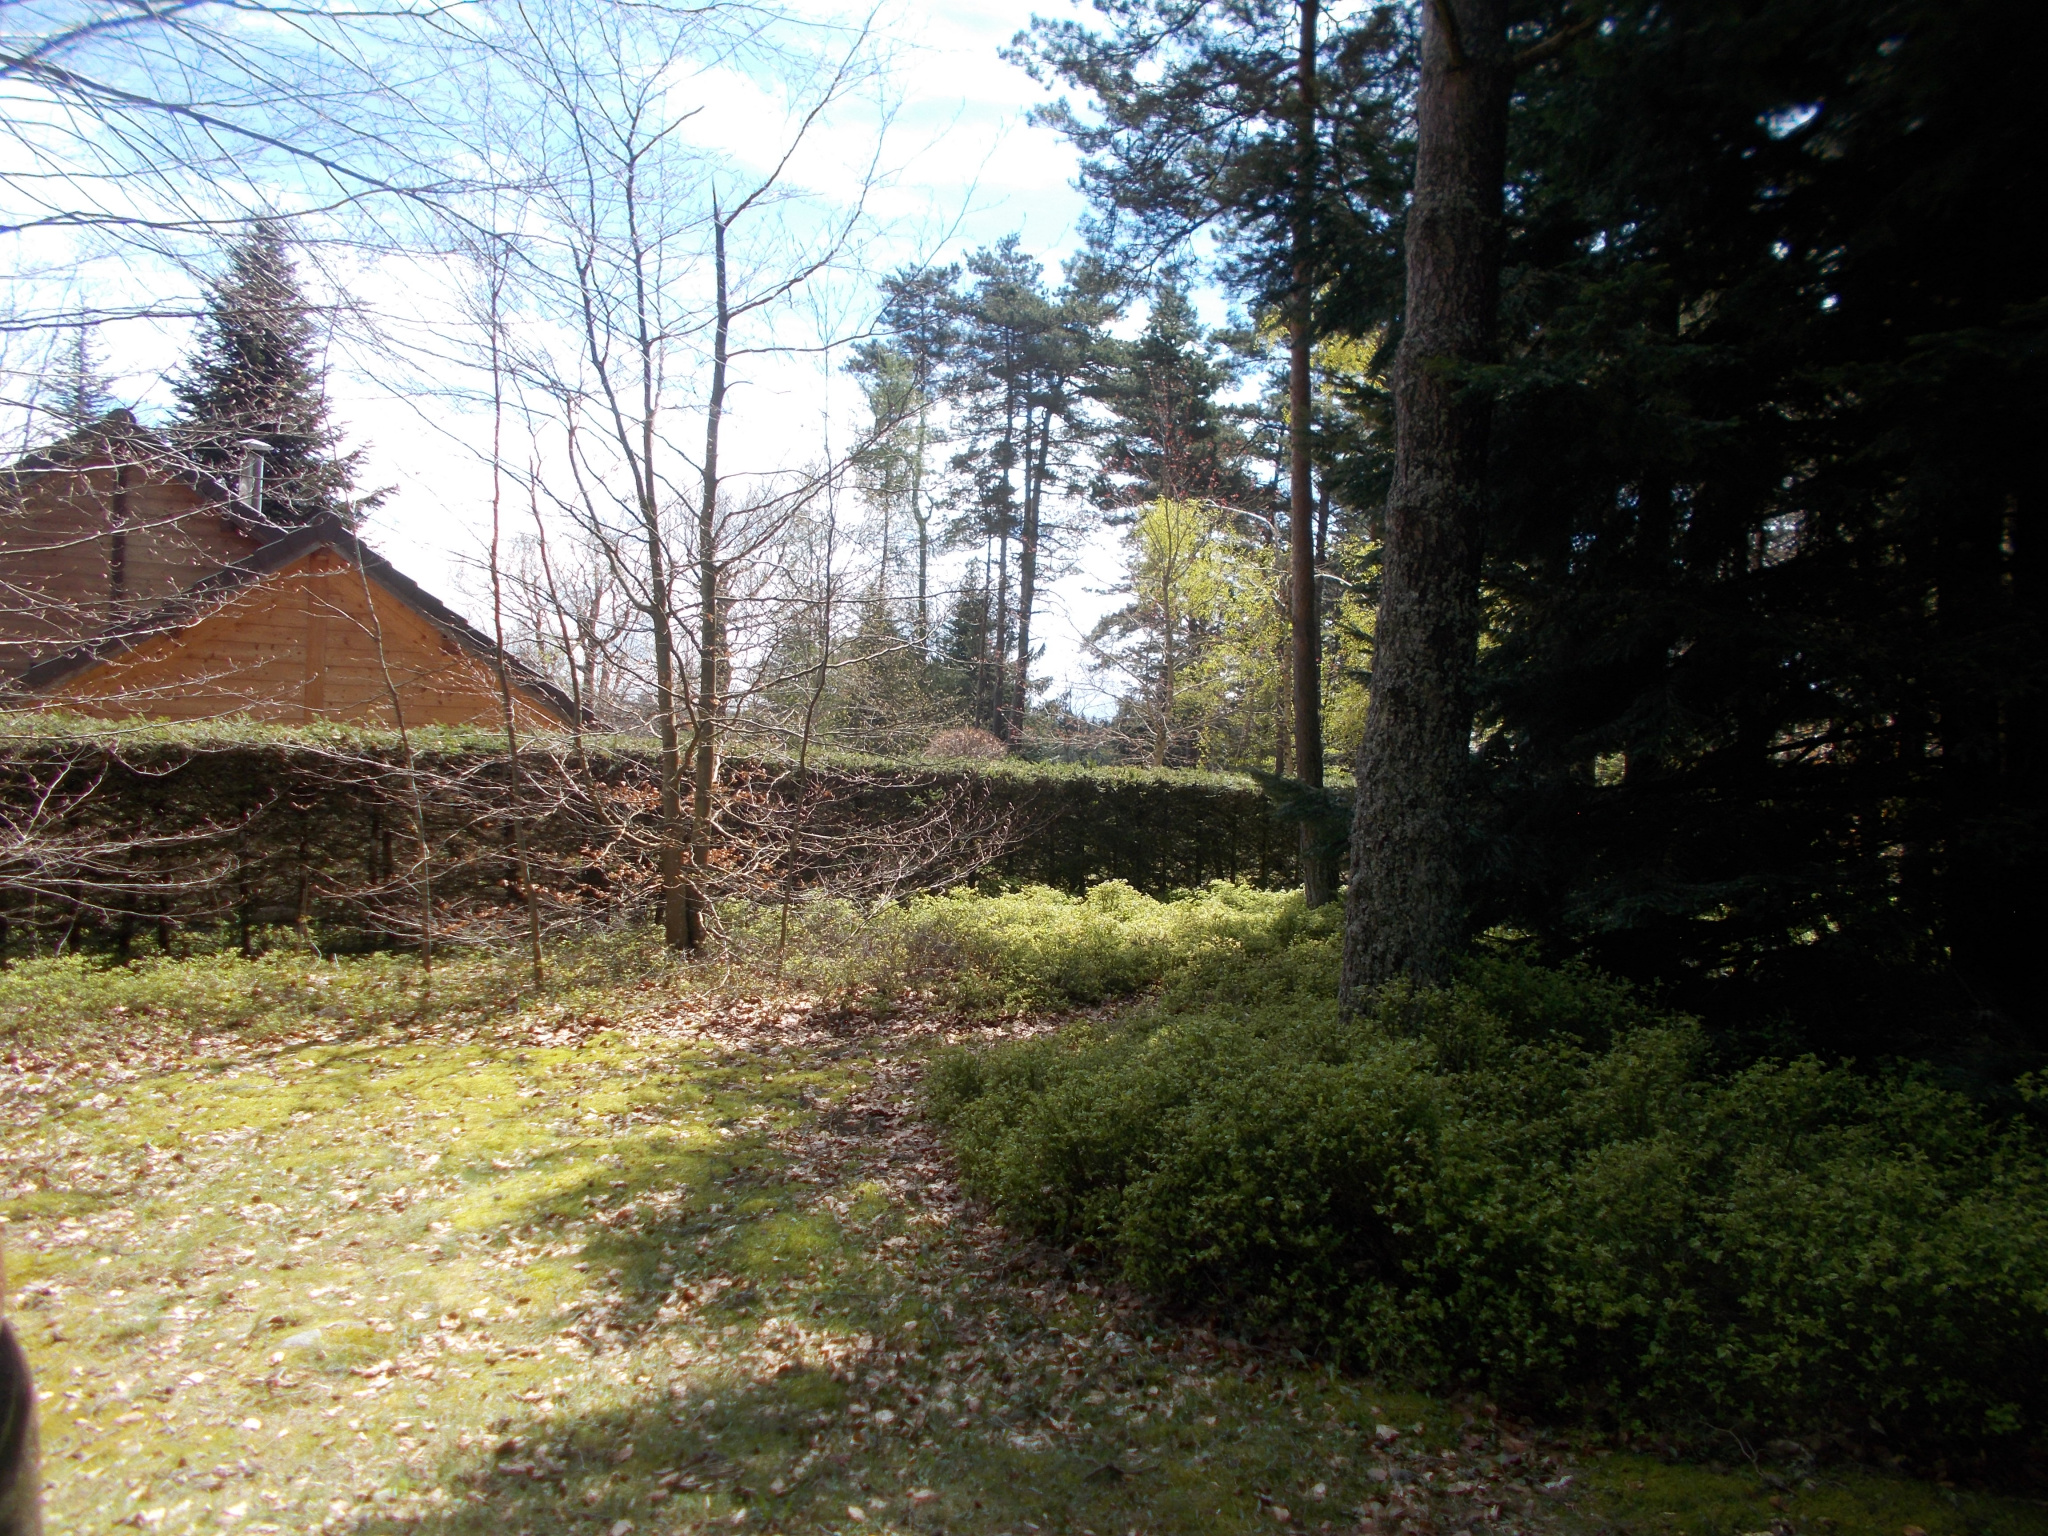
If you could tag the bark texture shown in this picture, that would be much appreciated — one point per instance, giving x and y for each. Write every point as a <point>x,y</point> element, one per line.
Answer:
<point>1306,620</point>
<point>1405,911</point>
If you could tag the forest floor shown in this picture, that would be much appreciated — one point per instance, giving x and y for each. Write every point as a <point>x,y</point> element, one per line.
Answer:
<point>644,1256</point>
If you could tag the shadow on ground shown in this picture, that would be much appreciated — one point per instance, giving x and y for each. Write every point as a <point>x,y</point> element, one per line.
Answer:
<point>790,1336</point>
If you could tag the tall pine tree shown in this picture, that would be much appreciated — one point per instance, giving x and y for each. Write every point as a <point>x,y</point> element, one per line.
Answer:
<point>1026,359</point>
<point>1275,133</point>
<point>257,373</point>
<point>901,377</point>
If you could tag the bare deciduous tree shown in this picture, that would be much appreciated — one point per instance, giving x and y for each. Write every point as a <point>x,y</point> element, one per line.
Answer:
<point>677,269</point>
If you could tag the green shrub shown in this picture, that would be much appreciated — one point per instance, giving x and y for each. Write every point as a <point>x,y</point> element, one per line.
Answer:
<point>1041,948</point>
<point>1534,1182</point>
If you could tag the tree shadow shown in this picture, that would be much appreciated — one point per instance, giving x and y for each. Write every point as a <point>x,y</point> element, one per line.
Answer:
<point>777,1348</point>
<point>734,1316</point>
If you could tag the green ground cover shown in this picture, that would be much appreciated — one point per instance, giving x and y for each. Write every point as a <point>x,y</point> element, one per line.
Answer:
<point>1536,1181</point>
<point>306,1246</point>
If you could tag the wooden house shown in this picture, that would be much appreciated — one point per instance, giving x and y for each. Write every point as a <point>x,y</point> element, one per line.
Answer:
<point>131,587</point>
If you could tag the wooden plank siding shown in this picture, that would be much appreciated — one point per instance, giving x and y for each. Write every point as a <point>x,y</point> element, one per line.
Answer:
<point>131,584</point>
<point>319,640</point>
<point>83,548</point>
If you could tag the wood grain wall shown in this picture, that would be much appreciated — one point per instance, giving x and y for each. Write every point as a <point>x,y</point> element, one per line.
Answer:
<point>316,641</point>
<point>82,548</point>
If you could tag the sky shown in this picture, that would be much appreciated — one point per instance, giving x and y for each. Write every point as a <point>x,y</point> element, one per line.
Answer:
<point>969,167</point>
<point>965,167</point>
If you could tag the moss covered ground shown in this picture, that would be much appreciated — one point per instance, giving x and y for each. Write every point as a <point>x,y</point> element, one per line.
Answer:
<point>301,1245</point>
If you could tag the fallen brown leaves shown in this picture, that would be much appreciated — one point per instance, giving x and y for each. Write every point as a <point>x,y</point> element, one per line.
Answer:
<point>301,1269</point>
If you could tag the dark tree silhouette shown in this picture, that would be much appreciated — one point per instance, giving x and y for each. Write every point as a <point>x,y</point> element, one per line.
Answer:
<point>258,374</point>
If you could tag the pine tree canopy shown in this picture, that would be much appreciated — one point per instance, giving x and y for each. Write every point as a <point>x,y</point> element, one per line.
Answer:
<point>1763,674</point>
<point>1169,435</point>
<point>256,373</point>
<point>1762,701</point>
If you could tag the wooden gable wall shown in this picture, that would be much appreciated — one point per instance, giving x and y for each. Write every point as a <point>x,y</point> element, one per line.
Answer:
<point>85,548</point>
<point>310,642</point>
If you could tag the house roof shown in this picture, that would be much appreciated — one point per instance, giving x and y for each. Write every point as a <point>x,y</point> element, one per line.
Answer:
<point>116,438</point>
<point>192,605</point>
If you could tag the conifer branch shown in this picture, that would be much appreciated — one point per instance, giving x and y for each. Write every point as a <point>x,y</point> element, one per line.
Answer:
<point>1551,46</point>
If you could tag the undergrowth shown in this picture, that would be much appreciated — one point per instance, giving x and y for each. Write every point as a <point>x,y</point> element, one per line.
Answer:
<point>313,1245</point>
<point>84,1006</point>
<point>1041,949</point>
<point>1531,1181</point>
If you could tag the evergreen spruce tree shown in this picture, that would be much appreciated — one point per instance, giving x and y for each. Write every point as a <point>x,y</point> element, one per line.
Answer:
<point>258,374</point>
<point>965,665</point>
<point>79,394</point>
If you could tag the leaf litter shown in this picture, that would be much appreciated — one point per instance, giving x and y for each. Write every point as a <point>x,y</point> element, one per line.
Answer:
<point>662,1260</point>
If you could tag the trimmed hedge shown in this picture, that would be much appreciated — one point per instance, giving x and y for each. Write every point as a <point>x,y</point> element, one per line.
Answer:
<point>253,825</point>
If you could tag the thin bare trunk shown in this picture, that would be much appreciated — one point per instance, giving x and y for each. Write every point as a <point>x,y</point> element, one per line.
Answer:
<point>302,918</point>
<point>984,629</point>
<point>999,719</point>
<point>660,596</point>
<point>999,670</point>
<point>523,862</point>
<point>803,745</point>
<point>884,506</point>
<point>710,610</point>
<point>412,779</point>
<point>1027,563</point>
<point>1163,735</point>
<point>921,515</point>
<point>579,687</point>
<point>1283,690</point>
<point>1307,621</point>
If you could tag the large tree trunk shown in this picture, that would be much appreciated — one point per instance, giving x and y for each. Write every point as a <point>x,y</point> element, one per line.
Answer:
<point>1405,909</point>
<point>1306,620</point>
<point>21,1483</point>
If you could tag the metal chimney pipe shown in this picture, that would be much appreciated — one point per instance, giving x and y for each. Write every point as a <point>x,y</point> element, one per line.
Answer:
<point>253,450</point>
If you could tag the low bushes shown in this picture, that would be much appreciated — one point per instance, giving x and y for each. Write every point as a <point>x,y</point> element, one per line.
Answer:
<point>1040,948</point>
<point>1534,1182</point>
